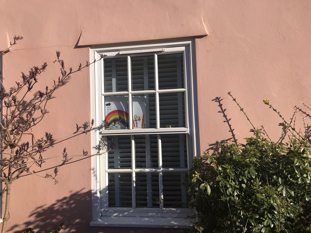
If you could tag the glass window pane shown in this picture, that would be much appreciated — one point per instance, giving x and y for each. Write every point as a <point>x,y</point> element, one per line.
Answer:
<point>171,71</point>
<point>174,190</point>
<point>147,190</point>
<point>174,151</point>
<point>142,72</point>
<point>146,149</point>
<point>172,110</point>
<point>120,190</point>
<point>116,112</point>
<point>115,74</point>
<point>144,111</point>
<point>119,152</point>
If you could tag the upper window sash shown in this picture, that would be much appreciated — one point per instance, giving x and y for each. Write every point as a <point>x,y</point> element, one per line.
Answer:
<point>130,93</point>
<point>119,69</point>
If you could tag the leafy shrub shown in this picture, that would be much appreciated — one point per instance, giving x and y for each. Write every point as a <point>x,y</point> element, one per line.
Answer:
<point>259,186</point>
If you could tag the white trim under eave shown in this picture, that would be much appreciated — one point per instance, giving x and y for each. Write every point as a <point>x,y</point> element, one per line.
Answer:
<point>169,47</point>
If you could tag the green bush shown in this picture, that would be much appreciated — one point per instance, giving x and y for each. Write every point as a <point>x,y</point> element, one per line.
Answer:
<point>259,186</point>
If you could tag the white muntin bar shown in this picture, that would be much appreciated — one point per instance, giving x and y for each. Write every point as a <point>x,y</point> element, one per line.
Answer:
<point>120,170</point>
<point>144,92</point>
<point>149,131</point>
<point>114,76</point>
<point>156,84</point>
<point>177,90</point>
<point>115,93</point>
<point>133,173</point>
<point>161,196</point>
<point>147,170</point>
<point>160,163</point>
<point>129,74</point>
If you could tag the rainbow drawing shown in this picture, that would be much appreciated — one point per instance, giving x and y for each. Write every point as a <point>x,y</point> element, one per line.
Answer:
<point>117,119</point>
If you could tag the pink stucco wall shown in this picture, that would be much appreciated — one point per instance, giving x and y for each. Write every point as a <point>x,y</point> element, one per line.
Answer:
<point>255,49</point>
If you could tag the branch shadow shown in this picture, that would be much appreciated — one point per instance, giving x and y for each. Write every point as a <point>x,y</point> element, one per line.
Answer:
<point>73,212</point>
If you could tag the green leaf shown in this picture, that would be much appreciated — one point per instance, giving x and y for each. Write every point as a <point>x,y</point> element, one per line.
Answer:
<point>206,188</point>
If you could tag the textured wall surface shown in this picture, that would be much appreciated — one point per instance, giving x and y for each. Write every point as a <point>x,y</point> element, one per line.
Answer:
<point>255,49</point>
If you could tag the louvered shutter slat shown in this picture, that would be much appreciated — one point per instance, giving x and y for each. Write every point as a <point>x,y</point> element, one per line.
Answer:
<point>119,190</point>
<point>174,151</point>
<point>142,148</point>
<point>115,68</point>
<point>142,72</point>
<point>147,194</point>
<point>174,190</point>
<point>170,71</point>
<point>171,110</point>
<point>119,156</point>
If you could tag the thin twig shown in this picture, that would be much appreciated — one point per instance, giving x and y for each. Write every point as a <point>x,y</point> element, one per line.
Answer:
<point>284,123</point>
<point>303,112</point>
<point>306,106</point>
<point>242,110</point>
<point>227,120</point>
<point>265,132</point>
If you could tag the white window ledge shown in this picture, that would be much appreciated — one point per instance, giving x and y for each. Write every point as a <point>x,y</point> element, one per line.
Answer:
<point>153,218</point>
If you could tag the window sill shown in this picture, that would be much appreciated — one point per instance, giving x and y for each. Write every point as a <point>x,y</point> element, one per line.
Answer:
<point>153,218</point>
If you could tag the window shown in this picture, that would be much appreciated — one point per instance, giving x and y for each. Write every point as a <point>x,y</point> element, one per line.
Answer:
<point>144,96</point>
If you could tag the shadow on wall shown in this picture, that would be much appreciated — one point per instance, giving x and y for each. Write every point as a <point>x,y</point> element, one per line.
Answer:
<point>73,211</point>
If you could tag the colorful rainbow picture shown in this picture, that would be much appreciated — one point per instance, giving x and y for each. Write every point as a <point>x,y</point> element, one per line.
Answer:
<point>117,119</point>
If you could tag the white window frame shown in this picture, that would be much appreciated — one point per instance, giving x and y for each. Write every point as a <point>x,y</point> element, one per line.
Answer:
<point>139,217</point>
